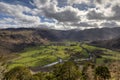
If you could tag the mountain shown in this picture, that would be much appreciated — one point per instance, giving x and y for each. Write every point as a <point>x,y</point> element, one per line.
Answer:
<point>92,34</point>
<point>13,40</point>
<point>110,44</point>
<point>16,39</point>
<point>79,35</point>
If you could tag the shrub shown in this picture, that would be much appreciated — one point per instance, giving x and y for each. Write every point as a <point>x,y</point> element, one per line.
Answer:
<point>102,72</point>
<point>18,73</point>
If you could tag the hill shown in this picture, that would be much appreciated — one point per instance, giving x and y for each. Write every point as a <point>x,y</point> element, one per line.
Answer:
<point>40,56</point>
<point>41,49</point>
<point>13,40</point>
<point>110,44</point>
<point>16,39</point>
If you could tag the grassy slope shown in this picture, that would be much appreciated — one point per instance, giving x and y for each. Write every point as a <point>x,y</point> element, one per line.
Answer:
<point>42,55</point>
<point>111,59</point>
<point>107,55</point>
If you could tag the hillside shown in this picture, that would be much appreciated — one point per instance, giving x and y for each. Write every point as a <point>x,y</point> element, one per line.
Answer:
<point>13,40</point>
<point>80,35</point>
<point>41,49</point>
<point>110,44</point>
<point>40,56</point>
<point>16,40</point>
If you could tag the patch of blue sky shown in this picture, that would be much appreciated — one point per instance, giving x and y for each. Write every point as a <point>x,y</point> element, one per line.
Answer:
<point>44,19</point>
<point>10,23</point>
<point>27,3</point>
<point>26,13</point>
<point>3,15</point>
<point>62,3</point>
<point>83,6</point>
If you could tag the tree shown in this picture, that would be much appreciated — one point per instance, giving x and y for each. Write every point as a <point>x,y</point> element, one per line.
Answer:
<point>3,66</point>
<point>44,76</point>
<point>67,71</point>
<point>40,76</point>
<point>102,73</point>
<point>19,73</point>
<point>50,76</point>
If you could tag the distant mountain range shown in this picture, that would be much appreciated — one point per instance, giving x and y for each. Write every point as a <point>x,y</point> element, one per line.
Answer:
<point>16,39</point>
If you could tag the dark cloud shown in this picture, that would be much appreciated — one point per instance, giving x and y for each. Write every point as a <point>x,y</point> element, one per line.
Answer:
<point>109,24</point>
<point>83,24</point>
<point>62,3</point>
<point>116,10</point>
<point>98,1</point>
<point>95,15</point>
<point>83,6</point>
<point>100,16</point>
<point>67,15</point>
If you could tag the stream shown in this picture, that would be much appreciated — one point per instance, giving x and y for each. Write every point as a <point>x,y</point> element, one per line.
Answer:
<point>60,60</point>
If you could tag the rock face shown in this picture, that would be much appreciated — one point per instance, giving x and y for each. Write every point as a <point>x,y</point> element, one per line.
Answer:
<point>13,40</point>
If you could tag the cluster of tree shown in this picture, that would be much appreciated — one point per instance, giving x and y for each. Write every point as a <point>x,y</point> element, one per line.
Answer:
<point>3,66</point>
<point>102,73</point>
<point>66,71</point>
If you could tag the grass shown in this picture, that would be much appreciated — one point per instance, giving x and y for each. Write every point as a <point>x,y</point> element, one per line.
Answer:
<point>45,54</point>
<point>39,56</point>
<point>106,57</point>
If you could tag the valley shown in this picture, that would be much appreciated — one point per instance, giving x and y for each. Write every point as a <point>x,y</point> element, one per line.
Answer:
<point>59,39</point>
<point>50,54</point>
<point>39,52</point>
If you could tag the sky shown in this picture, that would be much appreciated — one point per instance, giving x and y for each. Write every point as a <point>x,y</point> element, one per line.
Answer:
<point>60,14</point>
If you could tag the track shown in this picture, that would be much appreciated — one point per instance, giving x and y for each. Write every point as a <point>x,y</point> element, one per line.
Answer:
<point>91,55</point>
<point>90,58</point>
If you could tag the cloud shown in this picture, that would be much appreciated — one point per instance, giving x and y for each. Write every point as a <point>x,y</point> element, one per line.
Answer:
<point>113,14</point>
<point>116,10</point>
<point>60,14</point>
<point>81,24</point>
<point>71,2</point>
<point>41,3</point>
<point>68,14</point>
<point>99,1</point>
<point>50,9</point>
<point>95,15</point>
<point>109,24</point>
<point>18,14</point>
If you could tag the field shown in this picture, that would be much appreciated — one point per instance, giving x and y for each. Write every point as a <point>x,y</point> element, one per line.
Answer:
<point>46,54</point>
